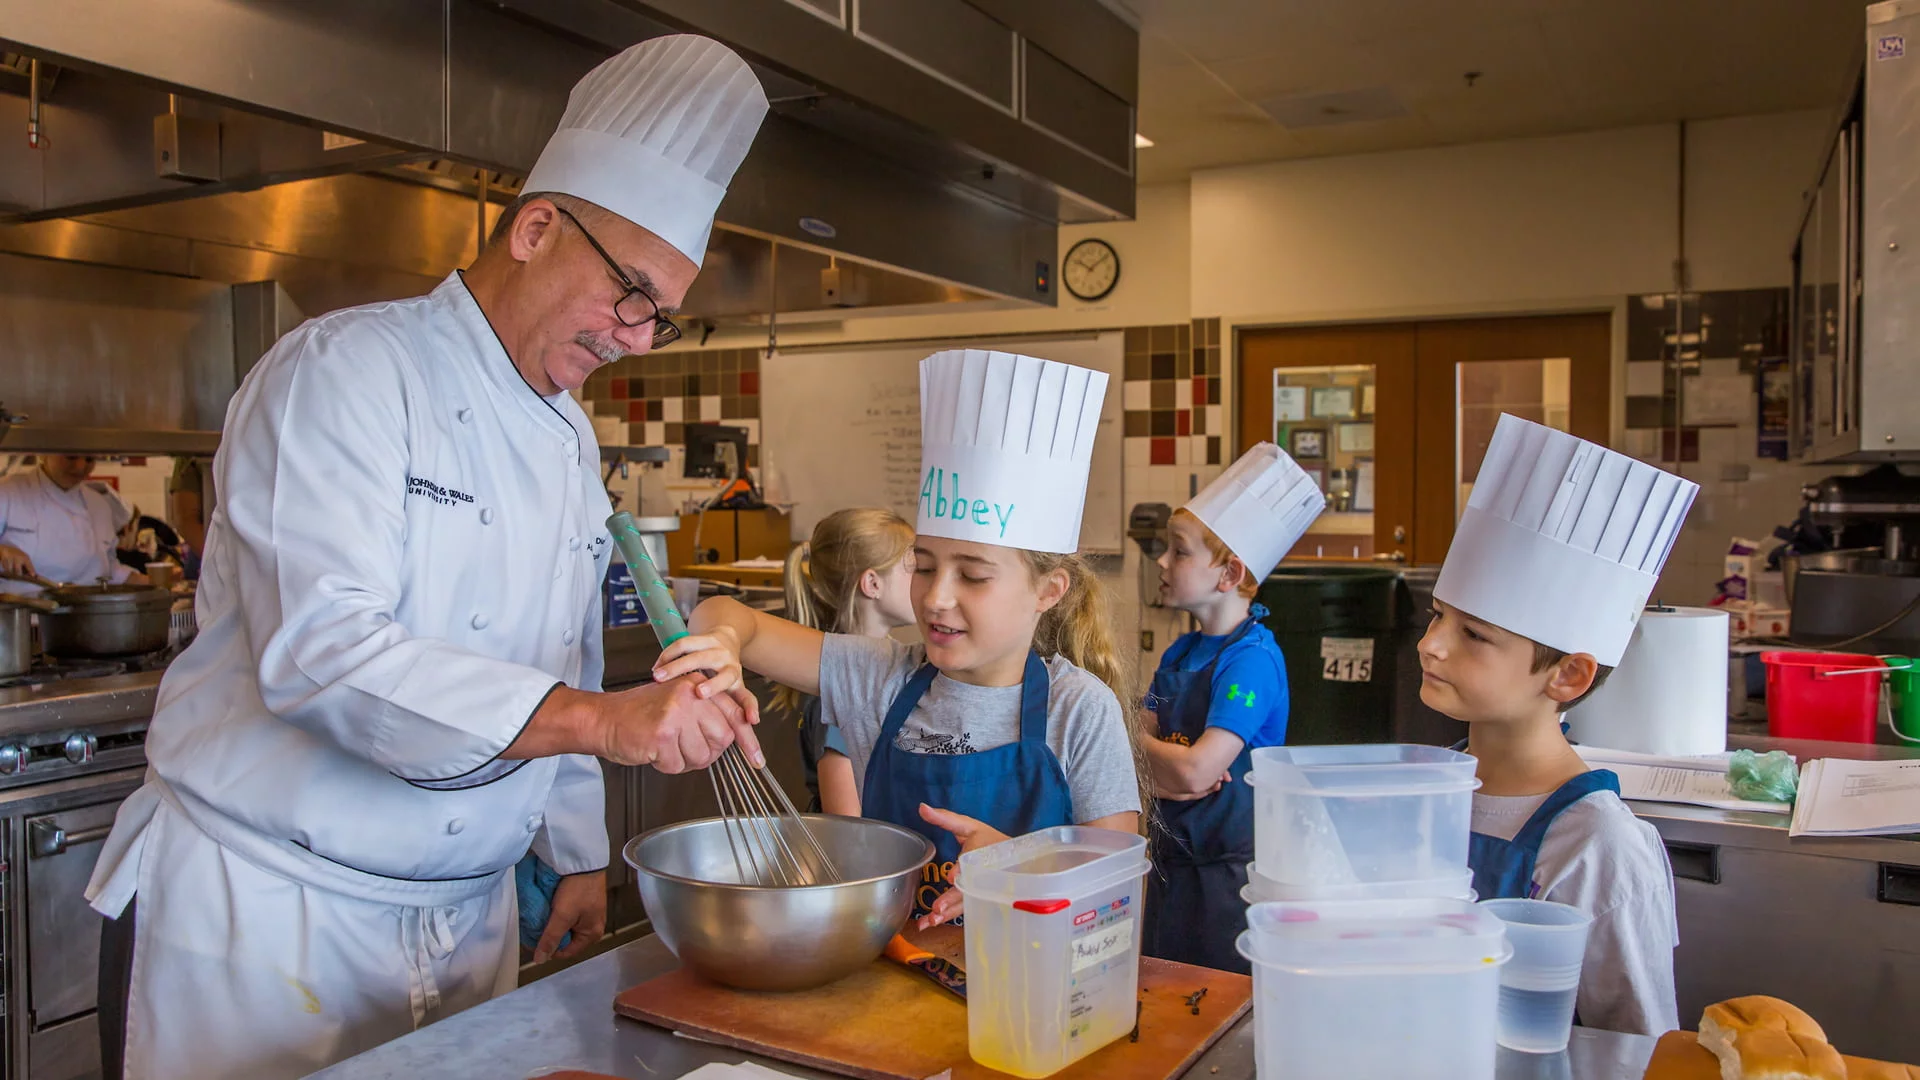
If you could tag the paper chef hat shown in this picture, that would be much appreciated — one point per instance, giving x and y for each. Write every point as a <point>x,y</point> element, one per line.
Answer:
<point>654,134</point>
<point>1562,540</point>
<point>1259,507</point>
<point>1005,445</point>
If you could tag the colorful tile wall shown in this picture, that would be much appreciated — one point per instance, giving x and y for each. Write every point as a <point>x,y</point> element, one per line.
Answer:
<point>1172,395</point>
<point>658,394</point>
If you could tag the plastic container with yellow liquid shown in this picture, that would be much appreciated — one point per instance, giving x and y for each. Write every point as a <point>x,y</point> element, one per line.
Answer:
<point>1053,946</point>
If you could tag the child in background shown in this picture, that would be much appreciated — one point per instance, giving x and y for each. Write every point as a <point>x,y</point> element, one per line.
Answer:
<point>1008,718</point>
<point>1219,694</point>
<point>1550,567</point>
<point>854,576</point>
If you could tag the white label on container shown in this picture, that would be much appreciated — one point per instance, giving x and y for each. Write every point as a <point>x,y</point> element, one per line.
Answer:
<point>1346,659</point>
<point>1102,959</point>
<point>1092,948</point>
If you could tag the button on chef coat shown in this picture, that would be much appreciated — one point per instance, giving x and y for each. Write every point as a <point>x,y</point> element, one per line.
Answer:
<point>69,535</point>
<point>367,645</point>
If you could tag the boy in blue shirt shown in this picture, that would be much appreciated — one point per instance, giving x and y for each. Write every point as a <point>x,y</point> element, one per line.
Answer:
<point>1219,693</point>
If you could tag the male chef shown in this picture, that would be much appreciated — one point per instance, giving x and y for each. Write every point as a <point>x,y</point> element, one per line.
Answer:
<point>55,523</point>
<point>395,688</point>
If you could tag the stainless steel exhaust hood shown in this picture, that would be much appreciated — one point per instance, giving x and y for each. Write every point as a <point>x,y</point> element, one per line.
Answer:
<point>933,145</point>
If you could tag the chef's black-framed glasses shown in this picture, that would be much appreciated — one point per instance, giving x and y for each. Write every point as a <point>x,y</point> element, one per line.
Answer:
<point>635,307</point>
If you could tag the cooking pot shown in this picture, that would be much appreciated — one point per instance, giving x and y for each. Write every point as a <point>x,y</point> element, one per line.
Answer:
<point>106,620</point>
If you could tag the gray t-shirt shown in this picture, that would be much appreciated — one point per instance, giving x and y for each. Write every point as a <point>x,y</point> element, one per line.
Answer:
<point>1086,729</point>
<point>1597,856</point>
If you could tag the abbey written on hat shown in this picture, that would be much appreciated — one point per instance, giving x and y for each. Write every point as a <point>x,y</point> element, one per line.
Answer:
<point>654,135</point>
<point>1260,507</point>
<point>1562,540</point>
<point>1005,445</point>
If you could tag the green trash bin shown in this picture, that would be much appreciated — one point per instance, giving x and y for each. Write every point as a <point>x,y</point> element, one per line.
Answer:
<point>1337,628</point>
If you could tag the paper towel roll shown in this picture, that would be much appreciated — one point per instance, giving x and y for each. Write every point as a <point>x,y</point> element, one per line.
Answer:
<point>1669,694</point>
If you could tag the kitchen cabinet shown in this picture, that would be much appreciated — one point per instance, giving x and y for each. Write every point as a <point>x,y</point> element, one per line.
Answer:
<point>1854,349</point>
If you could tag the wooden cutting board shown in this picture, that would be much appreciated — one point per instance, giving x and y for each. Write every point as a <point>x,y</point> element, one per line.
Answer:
<point>887,1023</point>
<point>1679,1056</point>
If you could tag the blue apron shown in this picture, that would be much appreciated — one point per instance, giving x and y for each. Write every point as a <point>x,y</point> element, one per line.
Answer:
<point>1503,869</point>
<point>1200,848</point>
<point>1015,788</point>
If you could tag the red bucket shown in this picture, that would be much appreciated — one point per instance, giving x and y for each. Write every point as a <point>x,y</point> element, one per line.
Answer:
<point>1830,696</point>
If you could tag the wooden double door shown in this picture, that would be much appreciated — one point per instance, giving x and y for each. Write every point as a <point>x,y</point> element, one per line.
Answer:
<point>1400,414</point>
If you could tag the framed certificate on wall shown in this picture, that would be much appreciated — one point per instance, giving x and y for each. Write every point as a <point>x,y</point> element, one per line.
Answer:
<point>1289,402</point>
<point>1333,402</point>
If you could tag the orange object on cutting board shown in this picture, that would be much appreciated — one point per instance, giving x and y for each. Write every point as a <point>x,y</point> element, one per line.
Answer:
<point>885,1022</point>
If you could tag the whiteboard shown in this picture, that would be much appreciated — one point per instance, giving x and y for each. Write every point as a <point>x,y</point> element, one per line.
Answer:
<point>842,427</point>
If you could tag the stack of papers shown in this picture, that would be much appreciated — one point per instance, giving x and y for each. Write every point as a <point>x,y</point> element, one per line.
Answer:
<point>1691,781</point>
<point>1857,798</point>
<point>757,564</point>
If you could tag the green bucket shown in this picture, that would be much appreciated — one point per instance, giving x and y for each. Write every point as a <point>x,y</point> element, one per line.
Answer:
<point>1903,696</point>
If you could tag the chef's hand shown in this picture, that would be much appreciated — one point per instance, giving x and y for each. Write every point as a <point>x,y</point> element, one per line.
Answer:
<point>14,561</point>
<point>579,908</point>
<point>715,654</point>
<point>674,728</point>
<point>972,834</point>
<point>1194,796</point>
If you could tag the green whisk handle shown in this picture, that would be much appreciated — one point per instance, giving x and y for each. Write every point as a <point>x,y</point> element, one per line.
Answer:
<point>655,596</point>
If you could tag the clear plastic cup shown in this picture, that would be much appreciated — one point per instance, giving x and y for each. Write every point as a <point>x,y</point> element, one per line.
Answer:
<point>1539,985</point>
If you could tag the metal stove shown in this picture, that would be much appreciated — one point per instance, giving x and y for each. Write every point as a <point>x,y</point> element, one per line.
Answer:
<point>72,746</point>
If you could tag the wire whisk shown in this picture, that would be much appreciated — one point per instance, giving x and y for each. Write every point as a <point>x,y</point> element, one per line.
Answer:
<point>771,843</point>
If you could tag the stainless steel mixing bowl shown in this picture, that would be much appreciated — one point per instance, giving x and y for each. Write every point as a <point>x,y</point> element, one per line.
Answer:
<point>770,938</point>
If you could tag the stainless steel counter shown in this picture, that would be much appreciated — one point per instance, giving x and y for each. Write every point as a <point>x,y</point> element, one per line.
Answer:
<point>78,702</point>
<point>566,1021</point>
<point>1831,924</point>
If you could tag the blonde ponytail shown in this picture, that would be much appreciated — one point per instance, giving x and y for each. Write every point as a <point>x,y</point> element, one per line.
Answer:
<point>823,574</point>
<point>1080,628</point>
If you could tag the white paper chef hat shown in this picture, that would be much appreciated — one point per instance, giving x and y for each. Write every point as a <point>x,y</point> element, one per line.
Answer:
<point>1259,507</point>
<point>654,134</point>
<point>1562,540</point>
<point>1005,445</point>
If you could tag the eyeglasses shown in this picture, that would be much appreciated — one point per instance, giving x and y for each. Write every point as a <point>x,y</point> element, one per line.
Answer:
<point>635,307</point>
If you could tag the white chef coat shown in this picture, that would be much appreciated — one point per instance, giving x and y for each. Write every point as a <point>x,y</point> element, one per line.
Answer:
<point>69,535</point>
<point>405,560</point>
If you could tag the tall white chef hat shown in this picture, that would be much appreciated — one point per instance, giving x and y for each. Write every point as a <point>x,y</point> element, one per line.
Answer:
<point>1259,507</point>
<point>1562,540</point>
<point>654,134</point>
<point>1005,445</point>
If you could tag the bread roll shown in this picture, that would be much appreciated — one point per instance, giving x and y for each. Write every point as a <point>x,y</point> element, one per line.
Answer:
<point>1770,1054</point>
<point>1764,1038</point>
<point>1719,1023</point>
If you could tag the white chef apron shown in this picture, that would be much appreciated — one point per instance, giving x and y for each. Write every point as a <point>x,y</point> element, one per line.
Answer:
<point>240,972</point>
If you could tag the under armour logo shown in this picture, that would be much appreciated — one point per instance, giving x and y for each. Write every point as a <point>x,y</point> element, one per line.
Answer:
<point>1234,693</point>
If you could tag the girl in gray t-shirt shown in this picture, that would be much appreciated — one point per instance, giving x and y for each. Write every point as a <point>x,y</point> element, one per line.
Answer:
<point>1005,721</point>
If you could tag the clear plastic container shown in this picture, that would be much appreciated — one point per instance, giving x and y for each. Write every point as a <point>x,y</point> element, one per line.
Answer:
<point>1407,989</point>
<point>1538,987</point>
<point>1053,946</point>
<point>1333,818</point>
<point>1262,889</point>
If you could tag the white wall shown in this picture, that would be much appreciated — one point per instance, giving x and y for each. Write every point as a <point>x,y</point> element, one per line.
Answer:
<point>1500,226</point>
